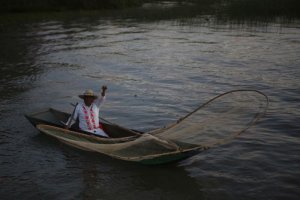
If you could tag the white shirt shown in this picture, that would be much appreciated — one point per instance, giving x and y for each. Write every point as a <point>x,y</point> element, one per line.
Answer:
<point>92,111</point>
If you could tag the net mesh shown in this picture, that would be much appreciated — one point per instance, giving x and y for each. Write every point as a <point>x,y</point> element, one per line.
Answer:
<point>219,120</point>
<point>145,146</point>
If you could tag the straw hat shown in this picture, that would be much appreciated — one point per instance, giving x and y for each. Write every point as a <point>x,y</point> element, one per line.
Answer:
<point>88,93</point>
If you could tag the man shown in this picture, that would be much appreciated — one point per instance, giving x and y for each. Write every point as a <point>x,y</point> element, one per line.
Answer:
<point>88,112</point>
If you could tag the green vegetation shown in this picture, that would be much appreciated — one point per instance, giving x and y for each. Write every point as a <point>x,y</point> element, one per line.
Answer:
<point>263,8</point>
<point>250,7</point>
<point>63,5</point>
<point>163,9</point>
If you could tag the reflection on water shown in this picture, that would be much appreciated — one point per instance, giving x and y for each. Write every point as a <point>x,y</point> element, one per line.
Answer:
<point>156,72</point>
<point>18,67</point>
<point>131,181</point>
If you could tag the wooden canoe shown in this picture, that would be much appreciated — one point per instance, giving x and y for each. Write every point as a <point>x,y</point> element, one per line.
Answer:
<point>124,144</point>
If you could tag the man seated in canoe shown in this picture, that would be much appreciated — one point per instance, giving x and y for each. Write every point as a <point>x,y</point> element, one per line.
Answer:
<point>87,112</point>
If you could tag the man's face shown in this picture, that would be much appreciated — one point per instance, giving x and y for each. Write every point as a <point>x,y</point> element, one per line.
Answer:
<point>88,100</point>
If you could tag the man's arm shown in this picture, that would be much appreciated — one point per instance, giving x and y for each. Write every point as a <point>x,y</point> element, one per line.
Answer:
<point>104,88</point>
<point>102,98</point>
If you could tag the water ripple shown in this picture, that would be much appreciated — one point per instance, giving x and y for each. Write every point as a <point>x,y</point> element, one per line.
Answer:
<point>156,73</point>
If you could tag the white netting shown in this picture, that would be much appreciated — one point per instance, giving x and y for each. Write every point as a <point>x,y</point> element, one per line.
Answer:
<point>220,119</point>
<point>135,149</point>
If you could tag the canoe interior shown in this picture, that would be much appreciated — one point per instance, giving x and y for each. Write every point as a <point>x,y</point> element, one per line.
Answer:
<point>50,123</point>
<point>49,117</point>
<point>55,118</point>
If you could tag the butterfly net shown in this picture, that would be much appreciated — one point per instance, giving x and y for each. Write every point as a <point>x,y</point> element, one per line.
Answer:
<point>215,122</point>
<point>219,120</point>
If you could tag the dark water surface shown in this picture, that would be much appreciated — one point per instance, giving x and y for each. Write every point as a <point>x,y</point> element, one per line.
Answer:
<point>156,72</point>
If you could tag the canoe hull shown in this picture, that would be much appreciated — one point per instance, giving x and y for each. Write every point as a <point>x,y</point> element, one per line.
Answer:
<point>103,146</point>
<point>165,159</point>
<point>49,123</point>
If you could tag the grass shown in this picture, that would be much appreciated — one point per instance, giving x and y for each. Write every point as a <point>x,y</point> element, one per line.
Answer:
<point>134,9</point>
<point>64,5</point>
<point>253,8</point>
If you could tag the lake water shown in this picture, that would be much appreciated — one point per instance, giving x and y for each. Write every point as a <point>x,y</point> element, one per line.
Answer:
<point>156,72</point>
